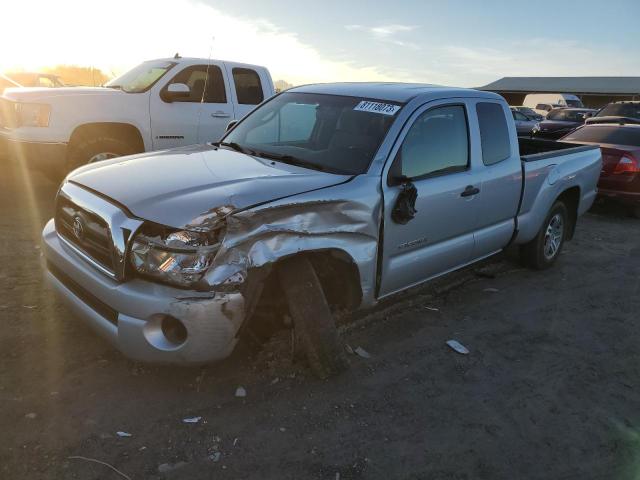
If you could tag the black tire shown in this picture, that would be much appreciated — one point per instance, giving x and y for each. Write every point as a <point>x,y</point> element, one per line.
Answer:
<point>84,150</point>
<point>536,253</point>
<point>312,319</point>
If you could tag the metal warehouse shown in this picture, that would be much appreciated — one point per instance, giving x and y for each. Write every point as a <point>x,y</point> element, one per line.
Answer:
<point>593,91</point>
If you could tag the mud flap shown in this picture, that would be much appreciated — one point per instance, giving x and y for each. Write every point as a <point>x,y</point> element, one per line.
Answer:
<point>312,318</point>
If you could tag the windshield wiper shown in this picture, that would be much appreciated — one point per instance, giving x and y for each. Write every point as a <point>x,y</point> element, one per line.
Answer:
<point>291,160</point>
<point>235,146</point>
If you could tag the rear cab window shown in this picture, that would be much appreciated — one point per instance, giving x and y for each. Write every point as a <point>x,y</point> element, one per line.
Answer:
<point>494,133</point>
<point>248,86</point>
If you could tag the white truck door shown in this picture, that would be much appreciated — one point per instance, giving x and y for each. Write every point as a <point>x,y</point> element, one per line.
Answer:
<point>249,88</point>
<point>435,155</point>
<point>201,116</point>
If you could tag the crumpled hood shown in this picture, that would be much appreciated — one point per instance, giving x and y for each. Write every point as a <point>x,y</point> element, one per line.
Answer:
<point>193,186</point>
<point>33,94</point>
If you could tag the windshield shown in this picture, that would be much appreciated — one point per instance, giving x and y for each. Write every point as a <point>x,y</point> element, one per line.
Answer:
<point>527,111</point>
<point>574,103</point>
<point>325,132</point>
<point>630,110</point>
<point>611,134</point>
<point>141,78</point>
<point>566,115</point>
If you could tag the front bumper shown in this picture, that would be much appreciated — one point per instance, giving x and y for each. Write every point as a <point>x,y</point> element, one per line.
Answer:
<point>48,157</point>
<point>130,314</point>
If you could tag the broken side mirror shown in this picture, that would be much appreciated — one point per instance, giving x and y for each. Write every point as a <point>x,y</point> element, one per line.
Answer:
<point>404,209</point>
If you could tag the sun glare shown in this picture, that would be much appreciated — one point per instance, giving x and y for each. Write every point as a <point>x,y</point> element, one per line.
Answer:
<point>107,39</point>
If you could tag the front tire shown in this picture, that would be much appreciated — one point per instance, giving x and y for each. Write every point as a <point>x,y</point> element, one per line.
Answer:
<point>97,149</point>
<point>543,251</point>
<point>312,318</point>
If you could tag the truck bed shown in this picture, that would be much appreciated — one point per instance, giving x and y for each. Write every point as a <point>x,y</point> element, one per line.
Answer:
<point>532,149</point>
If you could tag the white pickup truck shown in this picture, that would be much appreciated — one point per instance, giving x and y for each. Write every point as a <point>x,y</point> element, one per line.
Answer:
<point>159,104</point>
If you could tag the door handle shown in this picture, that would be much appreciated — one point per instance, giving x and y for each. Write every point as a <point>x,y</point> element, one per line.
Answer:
<point>469,191</point>
<point>220,115</point>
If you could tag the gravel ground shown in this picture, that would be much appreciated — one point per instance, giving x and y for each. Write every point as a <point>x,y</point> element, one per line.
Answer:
<point>549,390</point>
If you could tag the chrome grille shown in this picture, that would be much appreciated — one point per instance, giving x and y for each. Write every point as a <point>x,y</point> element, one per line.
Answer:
<point>86,231</point>
<point>95,228</point>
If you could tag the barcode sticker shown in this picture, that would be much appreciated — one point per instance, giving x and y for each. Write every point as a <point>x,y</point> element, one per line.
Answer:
<point>376,107</point>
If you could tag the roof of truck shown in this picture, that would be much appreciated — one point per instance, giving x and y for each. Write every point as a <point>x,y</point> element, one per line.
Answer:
<point>201,61</point>
<point>392,92</point>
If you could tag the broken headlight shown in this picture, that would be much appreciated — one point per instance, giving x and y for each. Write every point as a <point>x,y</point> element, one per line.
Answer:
<point>180,257</point>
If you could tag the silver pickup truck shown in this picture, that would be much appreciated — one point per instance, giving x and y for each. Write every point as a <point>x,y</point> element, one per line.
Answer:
<point>324,197</point>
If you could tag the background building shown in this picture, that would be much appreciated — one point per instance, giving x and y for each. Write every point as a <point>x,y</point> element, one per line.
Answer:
<point>594,91</point>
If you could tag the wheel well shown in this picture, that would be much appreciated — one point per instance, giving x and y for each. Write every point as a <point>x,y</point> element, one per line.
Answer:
<point>571,198</point>
<point>123,131</point>
<point>338,275</point>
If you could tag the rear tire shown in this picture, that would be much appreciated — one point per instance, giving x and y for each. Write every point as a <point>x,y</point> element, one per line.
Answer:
<point>543,251</point>
<point>312,318</point>
<point>96,149</point>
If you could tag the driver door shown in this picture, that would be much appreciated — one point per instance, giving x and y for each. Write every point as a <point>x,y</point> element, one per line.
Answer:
<point>202,116</point>
<point>434,156</point>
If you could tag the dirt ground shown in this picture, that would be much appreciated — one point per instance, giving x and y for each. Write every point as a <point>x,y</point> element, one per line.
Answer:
<point>550,389</point>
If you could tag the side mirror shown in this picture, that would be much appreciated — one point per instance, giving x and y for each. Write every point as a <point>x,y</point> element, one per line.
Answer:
<point>175,91</point>
<point>231,124</point>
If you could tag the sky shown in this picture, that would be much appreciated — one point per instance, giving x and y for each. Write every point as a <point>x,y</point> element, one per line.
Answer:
<point>456,42</point>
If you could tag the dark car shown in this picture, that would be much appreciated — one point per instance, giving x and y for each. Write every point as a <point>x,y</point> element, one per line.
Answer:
<point>620,145</point>
<point>561,121</point>
<point>529,112</point>
<point>618,112</point>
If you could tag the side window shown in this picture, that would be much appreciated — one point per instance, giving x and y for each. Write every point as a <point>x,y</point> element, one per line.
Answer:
<point>209,90</point>
<point>494,133</point>
<point>248,86</point>
<point>519,116</point>
<point>437,143</point>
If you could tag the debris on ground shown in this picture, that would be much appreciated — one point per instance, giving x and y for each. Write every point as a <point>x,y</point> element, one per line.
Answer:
<point>348,349</point>
<point>124,434</point>
<point>215,456</point>
<point>241,392</point>
<point>30,307</point>
<point>93,460</point>
<point>361,352</point>
<point>31,415</point>
<point>169,467</point>
<point>458,347</point>
<point>433,309</point>
<point>491,290</point>
<point>191,420</point>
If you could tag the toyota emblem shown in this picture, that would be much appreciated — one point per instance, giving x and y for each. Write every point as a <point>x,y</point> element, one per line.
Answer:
<point>78,228</point>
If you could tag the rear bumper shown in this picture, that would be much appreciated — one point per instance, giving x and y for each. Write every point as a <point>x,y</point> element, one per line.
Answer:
<point>130,315</point>
<point>43,156</point>
<point>622,188</point>
<point>628,198</point>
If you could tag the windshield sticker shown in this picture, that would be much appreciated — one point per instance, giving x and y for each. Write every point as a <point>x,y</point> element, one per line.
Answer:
<point>375,107</point>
